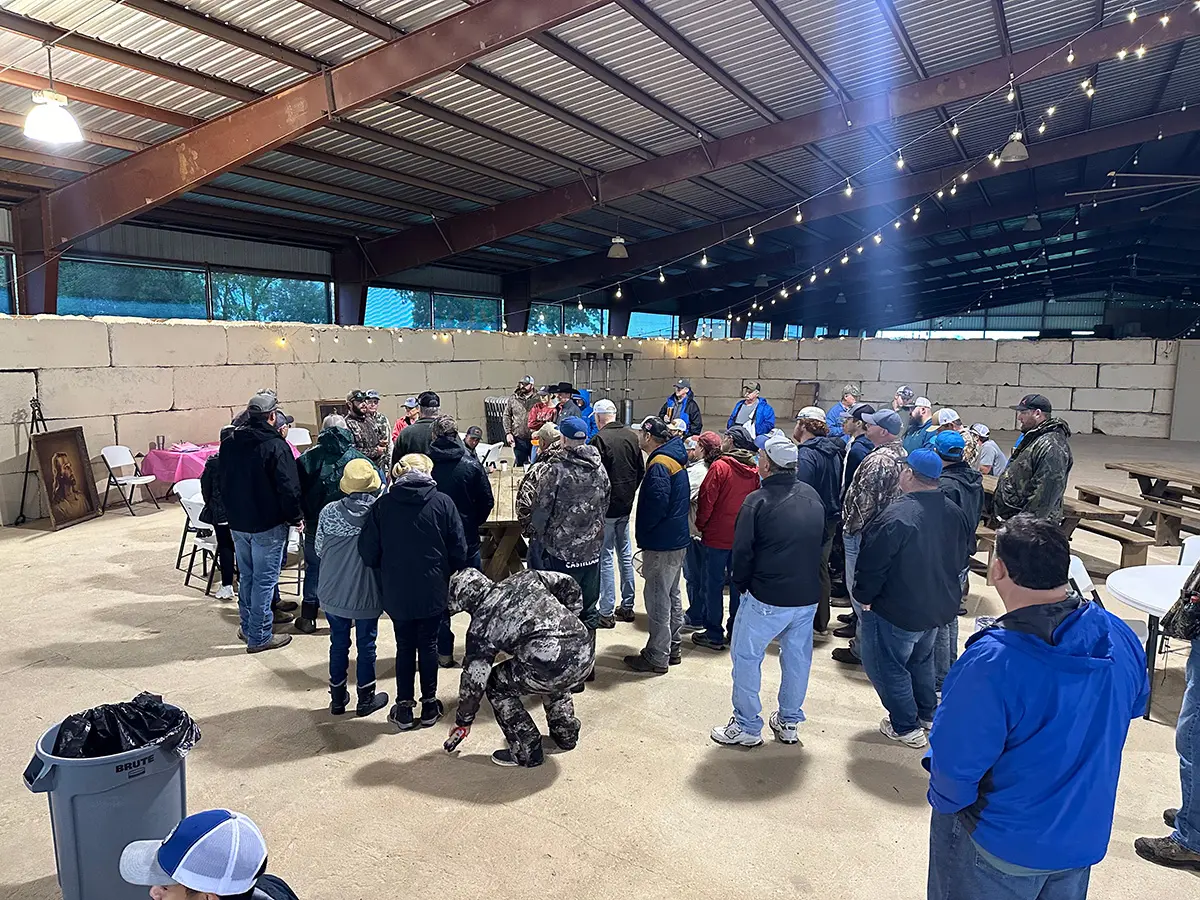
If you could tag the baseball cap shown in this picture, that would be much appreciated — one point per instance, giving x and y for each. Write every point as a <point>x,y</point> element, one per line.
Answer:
<point>605,406</point>
<point>925,462</point>
<point>858,410</point>
<point>980,429</point>
<point>679,425</point>
<point>356,396</point>
<point>748,386</point>
<point>780,449</point>
<point>949,445</point>
<point>905,393</point>
<point>372,395</point>
<point>811,412</point>
<point>527,379</point>
<point>263,403</point>
<point>852,389</point>
<point>475,430</point>
<point>886,419</point>
<point>548,434</point>
<point>1034,401</point>
<point>683,382</point>
<point>656,427</point>
<point>429,400</point>
<point>922,401</point>
<point>215,852</point>
<point>282,419</point>
<point>741,438</point>
<point>946,416</point>
<point>573,428</point>
<point>411,403</point>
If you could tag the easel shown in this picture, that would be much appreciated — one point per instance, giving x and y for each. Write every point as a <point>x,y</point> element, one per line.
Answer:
<point>37,422</point>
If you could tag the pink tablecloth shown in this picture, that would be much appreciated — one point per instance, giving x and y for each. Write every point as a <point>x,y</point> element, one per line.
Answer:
<point>171,466</point>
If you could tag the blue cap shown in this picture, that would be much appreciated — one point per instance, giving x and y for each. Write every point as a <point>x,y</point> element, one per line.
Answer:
<point>949,445</point>
<point>925,462</point>
<point>215,851</point>
<point>573,428</point>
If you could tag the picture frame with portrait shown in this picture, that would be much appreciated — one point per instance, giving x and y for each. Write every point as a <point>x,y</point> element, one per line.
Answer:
<point>65,472</point>
<point>329,408</point>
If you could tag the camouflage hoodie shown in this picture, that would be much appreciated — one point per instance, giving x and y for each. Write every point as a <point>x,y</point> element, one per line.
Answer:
<point>369,431</point>
<point>1036,477</point>
<point>567,512</point>
<point>531,616</point>
<point>876,484</point>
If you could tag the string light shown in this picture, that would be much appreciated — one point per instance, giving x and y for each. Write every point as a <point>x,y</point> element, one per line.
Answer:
<point>1091,91</point>
<point>1165,20</point>
<point>750,240</point>
<point>1051,110</point>
<point>858,249</point>
<point>1132,15</point>
<point>370,340</point>
<point>812,277</point>
<point>783,292</point>
<point>1141,51</point>
<point>313,338</point>
<point>662,279</point>
<point>827,270</point>
<point>845,259</point>
<point>953,129</point>
<point>849,188</point>
<point>878,238</point>
<point>1012,92</point>
<point>704,258</point>
<point>1122,53</point>
<point>953,189</point>
<point>941,193</point>
<point>916,214</point>
<point>283,342</point>
<point>1070,55</point>
<point>581,304</point>
<point>1042,128</point>
<point>799,215</point>
<point>964,176</point>
<point>896,224</point>
<point>899,159</point>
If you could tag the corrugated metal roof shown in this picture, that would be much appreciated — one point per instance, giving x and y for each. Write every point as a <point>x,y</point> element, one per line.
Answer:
<point>971,23</point>
<point>292,24</point>
<point>1035,22</point>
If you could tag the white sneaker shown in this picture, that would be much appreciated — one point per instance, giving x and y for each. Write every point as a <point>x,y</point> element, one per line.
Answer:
<point>732,735</point>
<point>925,724</point>
<point>915,738</point>
<point>785,732</point>
<point>225,592</point>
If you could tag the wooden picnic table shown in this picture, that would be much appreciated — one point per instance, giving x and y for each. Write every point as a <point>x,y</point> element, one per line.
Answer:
<point>1074,510</point>
<point>1163,482</point>
<point>503,545</point>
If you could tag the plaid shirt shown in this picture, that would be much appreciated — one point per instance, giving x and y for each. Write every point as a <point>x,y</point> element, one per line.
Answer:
<point>876,484</point>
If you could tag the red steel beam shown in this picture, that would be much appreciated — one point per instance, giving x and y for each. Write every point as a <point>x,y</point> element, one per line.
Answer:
<point>420,246</point>
<point>181,163</point>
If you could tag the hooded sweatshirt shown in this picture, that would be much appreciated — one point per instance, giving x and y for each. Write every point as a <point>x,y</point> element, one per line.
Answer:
<point>515,417</point>
<point>819,465</point>
<point>258,479</point>
<point>964,486</point>
<point>460,477</point>
<point>1026,744</point>
<point>1036,477</point>
<point>320,471</point>
<point>687,409</point>
<point>567,512</point>
<point>348,588</point>
<point>730,480</point>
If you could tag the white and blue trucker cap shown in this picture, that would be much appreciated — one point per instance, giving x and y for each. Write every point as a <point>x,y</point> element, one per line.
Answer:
<point>215,851</point>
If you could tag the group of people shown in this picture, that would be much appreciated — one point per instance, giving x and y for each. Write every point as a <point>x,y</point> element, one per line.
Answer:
<point>753,509</point>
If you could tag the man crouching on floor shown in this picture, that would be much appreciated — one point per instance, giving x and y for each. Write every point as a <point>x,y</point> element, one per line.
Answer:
<point>533,617</point>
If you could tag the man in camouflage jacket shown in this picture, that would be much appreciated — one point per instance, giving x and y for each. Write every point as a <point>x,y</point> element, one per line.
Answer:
<point>515,419</point>
<point>1036,477</point>
<point>533,618</point>
<point>370,428</point>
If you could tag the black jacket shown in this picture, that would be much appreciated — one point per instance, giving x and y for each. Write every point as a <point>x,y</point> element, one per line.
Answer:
<point>777,543</point>
<point>460,477</point>
<point>964,486</point>
<point>259,482</point>
<point>859,448</point>
<point>622,460</point>
<point>819,465</point>
<point>415,438</point>
<point>1036,477</point>
<point>210,490</point>
<point>910,560</point>
<point>414,537</point>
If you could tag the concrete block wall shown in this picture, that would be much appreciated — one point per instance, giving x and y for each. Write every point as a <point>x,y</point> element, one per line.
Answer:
<point>127,380</point>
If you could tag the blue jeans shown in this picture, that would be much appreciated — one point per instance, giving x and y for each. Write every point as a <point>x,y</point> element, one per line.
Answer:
<point>259,559</point>
<point>900,666</point>
<point>958,871</point>
<point>1187,743</point>
<point>616,539</point>
<point>312,567</point>
<point>756,626</point>
<point>851,544</point>
<point>945,651</point>
<point>365,633</point>
<point>693,577</point>
<point>716,565</point>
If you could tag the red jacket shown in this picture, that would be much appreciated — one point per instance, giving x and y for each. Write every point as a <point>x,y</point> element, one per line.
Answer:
<point>540,414</point>
<point>730,480</point>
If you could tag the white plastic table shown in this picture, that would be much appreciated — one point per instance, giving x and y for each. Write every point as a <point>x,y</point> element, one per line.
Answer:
<point>1153,590</point>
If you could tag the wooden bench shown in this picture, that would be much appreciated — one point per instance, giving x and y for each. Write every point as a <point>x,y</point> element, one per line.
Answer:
<point>1135,547</point>
<point>1168,519</point>
<point>986,539</point>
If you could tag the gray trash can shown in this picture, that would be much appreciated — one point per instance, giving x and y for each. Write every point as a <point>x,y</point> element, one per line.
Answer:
<point>99,805</point>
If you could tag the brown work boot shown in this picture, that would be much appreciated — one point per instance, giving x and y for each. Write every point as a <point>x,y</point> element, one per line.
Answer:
<point>1166,851</point>
<point>276,641</point>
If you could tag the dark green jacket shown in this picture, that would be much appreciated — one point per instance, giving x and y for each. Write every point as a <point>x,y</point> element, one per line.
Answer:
<point>321,468</point>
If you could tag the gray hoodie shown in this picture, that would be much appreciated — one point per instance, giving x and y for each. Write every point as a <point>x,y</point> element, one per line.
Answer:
<point>348,588</point>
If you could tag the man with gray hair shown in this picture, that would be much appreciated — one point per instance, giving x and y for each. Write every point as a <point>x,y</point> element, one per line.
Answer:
<point>320,468</point>
<point>622,460</point>
<point>776,559</point>
<point>836,417</point>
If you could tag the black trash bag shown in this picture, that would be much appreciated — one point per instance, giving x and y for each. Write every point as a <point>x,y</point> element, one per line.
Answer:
<point>117,727</point>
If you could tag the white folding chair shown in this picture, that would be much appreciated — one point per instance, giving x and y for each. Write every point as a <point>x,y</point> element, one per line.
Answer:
<point>189,488</point>
<point>1189,553</point>
<point>299,437</point>
<point>118,457</point>
<point>204,542</point>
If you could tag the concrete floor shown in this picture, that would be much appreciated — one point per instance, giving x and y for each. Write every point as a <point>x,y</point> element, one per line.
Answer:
<point>646,806</point>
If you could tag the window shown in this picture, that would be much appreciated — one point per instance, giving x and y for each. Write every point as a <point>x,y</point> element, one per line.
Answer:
<point>545,318</point>
<point>87,288</point>
<point>397,308</point>
<point>760,330</point>
<point>584,321</point>
<point>478,313</point>
<point>793,332</point>
<point>264,298</point>
<point>7,281</point>
<point>821,331</point>
<point>653,325</point>
<point>713,328</point>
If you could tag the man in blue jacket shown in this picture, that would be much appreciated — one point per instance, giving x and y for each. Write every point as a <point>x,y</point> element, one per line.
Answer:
<point>1026,747</point>
<point>837,414</point>
<point>661,529</point>
<point>752,412</point>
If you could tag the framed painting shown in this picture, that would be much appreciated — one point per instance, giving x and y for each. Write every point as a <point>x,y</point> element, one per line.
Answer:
<point>329,408</point>
<point>65,471</point>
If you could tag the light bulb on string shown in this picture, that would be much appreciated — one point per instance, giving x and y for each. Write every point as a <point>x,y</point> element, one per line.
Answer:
<point>858,249</point>
<point>964,176</point>
<point>899,159</point>
<point>1070,55</point>
<point>619,295</point>
<point>580,304</point>
<point>849,191</point>
<point>996,162</point>
<point>1132,15</point>
<point>896,224</point>
<point>1122,53</point>
<point>750,239</point>
<point>1012,92</point>
<point>783,292</point>
<point>1051,110</point>
<point>799,214</point>
<point>953,189</point>
<point>953,129</point>
<point>812,277</point>
<point>1141,51</point>
<point>878,238</point>
<point>1041,128</point>
<point>1091,92</point>
<point>661,277</point>
<point>1165,20</point>
<point>827,270</point>
<point>916,214</point>
<point>845,259</point>
<point>704,258</point>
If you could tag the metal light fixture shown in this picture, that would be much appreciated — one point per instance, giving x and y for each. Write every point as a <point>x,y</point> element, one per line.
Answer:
<point>1014,150</point>
<point>761,282</point>
<point>617,249</point>
<point>1032,223</point>
<point>49,121</point>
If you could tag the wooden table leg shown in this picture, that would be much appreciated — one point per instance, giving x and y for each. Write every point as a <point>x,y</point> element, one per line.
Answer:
<point>1151,652</point>
<point>1166,530</point>
<point>497,568</point>
<point>1152,489</point>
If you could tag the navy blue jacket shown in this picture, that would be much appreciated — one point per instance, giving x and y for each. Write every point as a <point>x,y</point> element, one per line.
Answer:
<point>664,501</point>
<point>819,465</point>
<point>1026,743</point>
<point>859,448</point>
